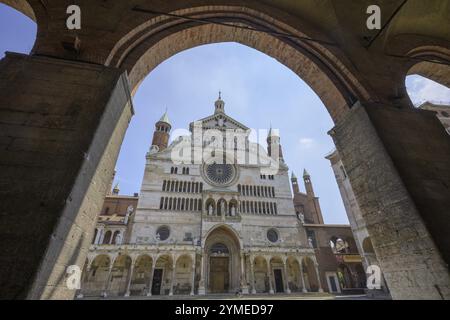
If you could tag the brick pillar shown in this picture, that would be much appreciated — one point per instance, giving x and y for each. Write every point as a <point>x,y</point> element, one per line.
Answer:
<point>397,163</point>
<point>61,127</point>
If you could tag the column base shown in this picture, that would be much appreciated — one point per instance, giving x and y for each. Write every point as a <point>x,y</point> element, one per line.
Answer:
<point>304,290</point>
<point>149,294</point>
<point>245,290</point>
<point>288,291</point>
<point>271,291</point>
<point>320,290</point>
<point>201,291</point>
<point>127,294</point>
<point>253,291</point>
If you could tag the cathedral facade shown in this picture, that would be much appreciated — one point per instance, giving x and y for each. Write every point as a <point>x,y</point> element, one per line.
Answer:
<point>215,216</point>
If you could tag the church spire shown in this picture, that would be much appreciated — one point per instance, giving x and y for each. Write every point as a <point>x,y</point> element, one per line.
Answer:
<point>219,104</point>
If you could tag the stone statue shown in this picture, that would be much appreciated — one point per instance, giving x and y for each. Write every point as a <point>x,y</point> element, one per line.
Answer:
<point>119,239</point>
<point>222,208</point>
<point>301,216</point>
<point>233,211</point>
<point>310,242</point>
<point>210,210</point>
<point>158,237</point>
<point>129,212</point>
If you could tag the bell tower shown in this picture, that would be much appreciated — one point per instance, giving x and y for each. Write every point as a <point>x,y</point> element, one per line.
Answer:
<point>162,133</point>
<point>273,143</point>
<point>219,104</point>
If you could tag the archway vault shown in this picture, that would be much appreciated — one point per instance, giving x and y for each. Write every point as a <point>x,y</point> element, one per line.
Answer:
<point>141,50</point>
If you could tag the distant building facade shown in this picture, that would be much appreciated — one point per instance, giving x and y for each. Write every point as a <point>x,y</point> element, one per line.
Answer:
<point>442,113</point>
<point>340,264</point>
<point>205,227</point>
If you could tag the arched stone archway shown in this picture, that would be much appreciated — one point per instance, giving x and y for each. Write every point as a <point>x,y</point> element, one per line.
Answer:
<point>261,278</point>
<point>96,276</point>
<point>183,275</point>
<point>120,273</point>
<point>222,265</point>
<point>310,274</point>
<point>141,275</point>
<point>142,49</point>
<point>369,131</point>
<point>294,275</point>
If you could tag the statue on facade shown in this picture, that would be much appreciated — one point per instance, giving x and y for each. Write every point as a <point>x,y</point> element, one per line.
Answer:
<point>222,208</point>
<point>119,239</point>
<point>128,214</point>
<point>233,210</point>
<point>210,209</point>
<point>310,242</point>
<point>301,216</point>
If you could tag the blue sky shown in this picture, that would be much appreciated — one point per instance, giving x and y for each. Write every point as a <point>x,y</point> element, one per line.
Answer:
<point>258,91</point>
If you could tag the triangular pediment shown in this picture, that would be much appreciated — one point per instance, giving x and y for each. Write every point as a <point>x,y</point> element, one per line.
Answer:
<point>220,121</point>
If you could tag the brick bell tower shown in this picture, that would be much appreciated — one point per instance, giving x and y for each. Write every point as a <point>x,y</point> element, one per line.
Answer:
<point>162,133</point>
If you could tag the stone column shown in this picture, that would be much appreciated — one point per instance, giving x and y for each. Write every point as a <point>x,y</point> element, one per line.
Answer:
<point>286,280</point>
<point>397,164</point>
<point>130,277</point>
<point>150,282</point>
<point>316,266</point>
<point>84,278</point>
<point>244,286</point>
<point>74,115</point>
<point>252,274</point>
<point>108,280</point>
<point>304,290</point>
<point>99,235</point>
<point>193,278</point>
<point>174,268</point>
<point>201,285</point>
<point>269,274</point>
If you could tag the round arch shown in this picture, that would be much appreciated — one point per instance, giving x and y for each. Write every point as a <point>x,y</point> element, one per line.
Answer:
<point>222,267</point>
<point>146,46</point>
<point>141,275</point>
<point>183,275</point>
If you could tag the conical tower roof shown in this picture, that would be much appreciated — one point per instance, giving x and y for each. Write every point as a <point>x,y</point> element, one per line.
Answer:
<point>165,119</point>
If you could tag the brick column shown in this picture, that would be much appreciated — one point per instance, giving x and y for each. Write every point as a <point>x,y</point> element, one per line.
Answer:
<point>397,161</point>
<point>61,127</point>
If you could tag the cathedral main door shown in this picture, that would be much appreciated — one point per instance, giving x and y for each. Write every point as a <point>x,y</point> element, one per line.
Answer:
<point>219,275</point>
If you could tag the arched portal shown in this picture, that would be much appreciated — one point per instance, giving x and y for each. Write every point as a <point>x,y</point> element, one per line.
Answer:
<point>310,274</point>
<point>183,275</point>
<point>119,276</point>
<point>223,261</point>
<point>293,274</point>
<point>141,275</point>
<point>162,276</point>
<point>261,278</point>
<point>97,276</point>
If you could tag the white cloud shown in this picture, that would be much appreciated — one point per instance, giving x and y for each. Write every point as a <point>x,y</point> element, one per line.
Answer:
<point>421,89</point>
<point>306,143</point>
